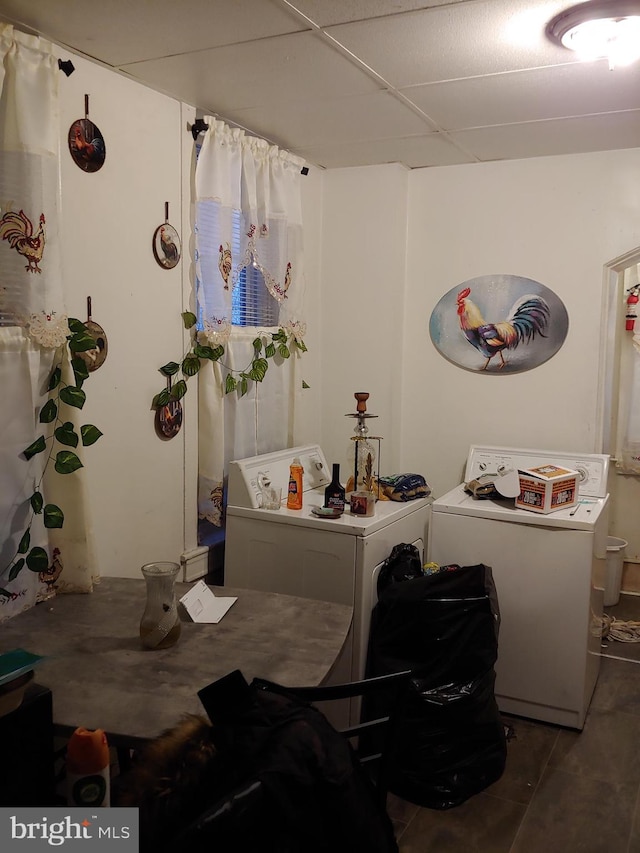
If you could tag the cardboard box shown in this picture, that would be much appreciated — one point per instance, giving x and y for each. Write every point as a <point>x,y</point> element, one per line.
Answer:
<point>547,488</point>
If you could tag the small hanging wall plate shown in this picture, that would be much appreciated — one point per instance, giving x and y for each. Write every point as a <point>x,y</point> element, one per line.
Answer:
<point>86,143</point>
<point>169,417</point>
<point>94,358</point>
<point>166,243</point>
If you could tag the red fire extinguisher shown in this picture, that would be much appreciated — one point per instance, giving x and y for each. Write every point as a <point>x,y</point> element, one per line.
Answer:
<point>632,309</point>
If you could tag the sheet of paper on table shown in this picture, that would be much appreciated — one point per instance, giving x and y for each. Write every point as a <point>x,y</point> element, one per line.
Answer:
<point>203,606</point>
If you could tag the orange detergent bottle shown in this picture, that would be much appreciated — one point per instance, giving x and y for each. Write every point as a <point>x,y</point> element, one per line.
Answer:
<point>88,768</point>
<point>294,495</point>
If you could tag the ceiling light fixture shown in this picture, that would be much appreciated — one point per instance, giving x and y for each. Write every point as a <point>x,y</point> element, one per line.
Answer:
<point>600,29</point>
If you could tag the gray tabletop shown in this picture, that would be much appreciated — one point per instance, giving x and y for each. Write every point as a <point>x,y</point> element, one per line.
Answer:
<point>101,677</point>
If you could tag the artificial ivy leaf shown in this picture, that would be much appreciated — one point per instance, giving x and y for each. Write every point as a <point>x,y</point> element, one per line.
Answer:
<point>170,369</point>
<point>23,547</point>
<point>179,390</point>
<point>81,342</point>
<point>160,399</point>
<point>76,326</point>
<point>191,364</point>
<point>229,384</point>
<point>37,447</point>
<point>189,319</point>
<point>15,569</point>
<point>257,344</point>
<point>244,386</point>
<point>80,371</point>
<point>48,412</point>
<point>280,336</point>
<point>67,462</point>
<point>54,379</point>
<point>66,435</point>
<point>37,560</point>
<point>259,368</point>
<point>283,350</point>
<point>270,351</point>
<point>53,516</point>
<point>36,501</point>
<point>73,396</point>
<point>304,384</point>
<point>203,352</point>
<point>300,344</point>
<point>90,434</point>
<point>218,352</point>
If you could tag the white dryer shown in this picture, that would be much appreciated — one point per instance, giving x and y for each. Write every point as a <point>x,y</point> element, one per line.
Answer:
<point>549,572</point>
<point>296,553</point>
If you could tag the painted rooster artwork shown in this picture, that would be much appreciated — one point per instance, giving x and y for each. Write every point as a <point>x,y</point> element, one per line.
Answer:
<point>224,263</point>
<point>17,230</point>
<point>529,317</point>
<point>86,145</point>
<point>169,248</point>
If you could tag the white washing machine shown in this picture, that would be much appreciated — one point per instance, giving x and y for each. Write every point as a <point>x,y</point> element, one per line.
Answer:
<point>549,572</point>
<point>296,553</point>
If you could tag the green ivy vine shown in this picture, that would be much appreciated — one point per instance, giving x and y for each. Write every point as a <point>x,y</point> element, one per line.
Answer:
<point>65,461</point>
<point>265,347</point>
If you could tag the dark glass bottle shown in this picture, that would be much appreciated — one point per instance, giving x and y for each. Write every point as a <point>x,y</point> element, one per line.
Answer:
<point>334,493</point>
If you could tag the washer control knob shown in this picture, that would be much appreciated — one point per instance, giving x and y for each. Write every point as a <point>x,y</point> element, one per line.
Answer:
<point>584,473</point>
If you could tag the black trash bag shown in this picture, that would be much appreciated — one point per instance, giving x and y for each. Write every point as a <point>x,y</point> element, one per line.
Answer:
<point>403,563</point>
<point>449,743</point>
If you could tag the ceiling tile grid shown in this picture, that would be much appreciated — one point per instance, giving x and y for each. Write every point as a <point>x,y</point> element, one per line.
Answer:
<point>359,82</point>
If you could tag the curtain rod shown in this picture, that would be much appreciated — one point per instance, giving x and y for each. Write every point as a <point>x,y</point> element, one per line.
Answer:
<point>199,126</point>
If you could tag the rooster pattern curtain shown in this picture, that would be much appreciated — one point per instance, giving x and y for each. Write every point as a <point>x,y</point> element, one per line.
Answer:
<point>33,324</point>
<point>248,215</point>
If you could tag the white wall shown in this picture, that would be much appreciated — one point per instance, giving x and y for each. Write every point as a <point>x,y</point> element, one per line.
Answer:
<point>311,362</point>
<point>140,487</point>
<point>557,220</point>
<point>364,231</point>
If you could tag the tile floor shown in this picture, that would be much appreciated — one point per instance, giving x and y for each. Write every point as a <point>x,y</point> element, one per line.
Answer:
<point>562,790</point>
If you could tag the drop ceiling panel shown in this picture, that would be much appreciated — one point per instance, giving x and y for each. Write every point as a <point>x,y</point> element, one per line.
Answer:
<point>543,93</point>
<point>121,31</point>
<point>327,12</point>
<point>263,73</point>
<point>561,136</point>
<point>311,123</point>
<point>415,152</point>
<point>448,42</point>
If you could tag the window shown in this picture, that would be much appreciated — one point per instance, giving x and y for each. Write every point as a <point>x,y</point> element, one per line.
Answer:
<point>252,304</point>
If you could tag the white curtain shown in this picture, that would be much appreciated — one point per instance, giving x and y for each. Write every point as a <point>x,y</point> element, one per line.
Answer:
<point>628,434</point>
<point>33,326</point>
<point>248,214</point>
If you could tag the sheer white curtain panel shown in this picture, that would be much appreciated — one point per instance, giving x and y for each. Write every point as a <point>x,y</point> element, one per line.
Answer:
<point>33,326</point>
<point>248,216</point>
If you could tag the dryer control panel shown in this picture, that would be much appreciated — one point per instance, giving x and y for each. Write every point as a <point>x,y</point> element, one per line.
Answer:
<point>593,468</point>
<point>247,477</point>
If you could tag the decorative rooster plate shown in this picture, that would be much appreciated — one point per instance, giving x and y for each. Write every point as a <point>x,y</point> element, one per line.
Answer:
<point>168,418</point>
<point>166,243</point>
<point>499,324</point>
<point>94,358</point>
<point>86,143</point>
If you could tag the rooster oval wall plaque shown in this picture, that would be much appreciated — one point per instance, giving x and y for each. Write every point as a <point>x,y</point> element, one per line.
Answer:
<point>166,246</point>
<point>87,145</point>
<point>499,324</point>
